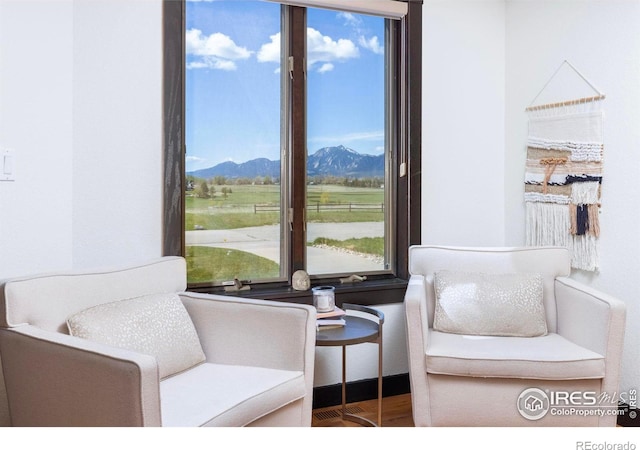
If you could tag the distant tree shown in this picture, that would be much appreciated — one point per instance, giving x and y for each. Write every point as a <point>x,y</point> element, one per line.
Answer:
<point>267,180</point>
<point>203,190</point>
<point>219,180</point>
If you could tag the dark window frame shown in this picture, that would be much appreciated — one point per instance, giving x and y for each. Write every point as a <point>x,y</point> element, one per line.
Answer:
<point>376,290</point>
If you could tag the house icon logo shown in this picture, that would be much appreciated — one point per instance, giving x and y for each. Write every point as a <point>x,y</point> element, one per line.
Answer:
<point>533,404</point>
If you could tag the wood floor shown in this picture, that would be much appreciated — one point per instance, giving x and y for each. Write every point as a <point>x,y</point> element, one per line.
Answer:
<point>396,412</point>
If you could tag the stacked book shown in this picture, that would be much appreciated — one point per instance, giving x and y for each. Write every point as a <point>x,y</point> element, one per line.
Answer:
<point>331,319</point>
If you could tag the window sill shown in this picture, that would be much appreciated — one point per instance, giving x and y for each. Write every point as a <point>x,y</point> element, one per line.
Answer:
<point>371,292</point>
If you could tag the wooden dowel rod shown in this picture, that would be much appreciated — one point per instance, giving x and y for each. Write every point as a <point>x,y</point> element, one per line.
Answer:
<point>566,103</point>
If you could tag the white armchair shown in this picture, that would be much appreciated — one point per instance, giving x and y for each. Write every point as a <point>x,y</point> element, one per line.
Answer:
<point>462,379</point>
<point>256,368</point>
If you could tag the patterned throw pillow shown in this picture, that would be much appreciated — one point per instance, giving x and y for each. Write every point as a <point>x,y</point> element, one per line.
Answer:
<point>508,304</point>
<point>156,325</point>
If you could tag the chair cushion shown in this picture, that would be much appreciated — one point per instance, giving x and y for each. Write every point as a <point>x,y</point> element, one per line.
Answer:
<point>496,304</point>
<point>227,395</point>
<point>549,357</point>
<point>156,325</point>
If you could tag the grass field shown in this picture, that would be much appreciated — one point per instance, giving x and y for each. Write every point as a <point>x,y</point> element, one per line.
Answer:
<point>203,265</point>
<point>249,195</point>
<point>370,246</point>
<point>243,196</point>
<point>236,210</point>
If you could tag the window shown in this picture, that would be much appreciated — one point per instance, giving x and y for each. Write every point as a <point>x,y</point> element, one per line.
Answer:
<point>235,198</point>
<point>348,212</point>
<point>289,142</point>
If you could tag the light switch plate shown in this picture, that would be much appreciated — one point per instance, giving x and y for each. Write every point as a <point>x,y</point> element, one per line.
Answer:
<point>7,165</point>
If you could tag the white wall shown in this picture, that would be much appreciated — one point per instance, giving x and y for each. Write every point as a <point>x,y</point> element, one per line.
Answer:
<point>602,40</point>
<point>36,122</point>
<point>117,131</point>
<point>80,104</point>
<point>463,122</point>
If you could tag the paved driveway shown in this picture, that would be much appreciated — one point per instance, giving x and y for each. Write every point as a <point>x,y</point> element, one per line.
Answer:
<point>264,241</point>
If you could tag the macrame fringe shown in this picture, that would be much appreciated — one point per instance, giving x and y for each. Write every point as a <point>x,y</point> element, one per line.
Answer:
<point>573,219</point>
<point>584,250</point>
<point>584,219</point>
<point>594,220</point>
<point>547,224</point>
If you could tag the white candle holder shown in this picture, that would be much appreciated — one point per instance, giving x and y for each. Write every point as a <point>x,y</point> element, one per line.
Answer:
<point>324,298</point>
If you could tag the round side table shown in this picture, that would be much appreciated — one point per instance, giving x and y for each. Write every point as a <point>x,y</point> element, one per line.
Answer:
<point>357,330</point>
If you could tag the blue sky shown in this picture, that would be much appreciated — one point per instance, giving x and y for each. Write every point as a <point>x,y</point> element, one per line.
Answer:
<point>233,81</point>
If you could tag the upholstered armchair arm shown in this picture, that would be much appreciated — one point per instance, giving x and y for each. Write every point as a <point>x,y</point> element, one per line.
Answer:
<point>253,332</point>
<point>593,320</point>
<point>257,333</point>
<point>415,304</point>
<point>53,379</point>
<point>589,317</point>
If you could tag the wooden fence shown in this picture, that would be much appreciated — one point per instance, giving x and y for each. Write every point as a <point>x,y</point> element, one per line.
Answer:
<point>319,207</point>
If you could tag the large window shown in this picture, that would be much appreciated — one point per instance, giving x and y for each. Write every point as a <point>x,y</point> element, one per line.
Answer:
<point>290,126</point>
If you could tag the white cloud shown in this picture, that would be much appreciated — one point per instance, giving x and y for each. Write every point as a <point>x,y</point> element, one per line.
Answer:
<point>356,23</point>
<point>326,67</point>
<point>211,62</point>
<point>270,52</point>
<point>216,44</point>
<point>194,158</point>
<point>324,49</point>
<point>350,19</point>
<point>216,51</point>
<point>371,44</point>
<point>320,49</point>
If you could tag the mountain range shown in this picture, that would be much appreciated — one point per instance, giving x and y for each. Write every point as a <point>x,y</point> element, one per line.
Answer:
<point>338,161</point>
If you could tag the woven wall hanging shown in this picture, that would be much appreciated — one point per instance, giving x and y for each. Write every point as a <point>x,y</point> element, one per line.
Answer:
<point>563,176</point>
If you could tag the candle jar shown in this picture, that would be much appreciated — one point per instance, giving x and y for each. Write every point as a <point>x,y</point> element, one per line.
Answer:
<point>324,298</point>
